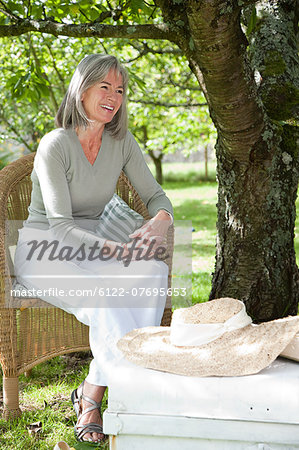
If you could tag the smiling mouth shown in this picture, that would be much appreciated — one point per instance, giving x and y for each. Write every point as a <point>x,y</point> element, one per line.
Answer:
<point>109,108</point>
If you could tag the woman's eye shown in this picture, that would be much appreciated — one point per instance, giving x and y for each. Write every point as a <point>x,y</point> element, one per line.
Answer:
<point>104,87</point>
<point>120,91</point>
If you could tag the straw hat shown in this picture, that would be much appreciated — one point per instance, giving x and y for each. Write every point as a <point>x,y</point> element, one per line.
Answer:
<point>216,338</point>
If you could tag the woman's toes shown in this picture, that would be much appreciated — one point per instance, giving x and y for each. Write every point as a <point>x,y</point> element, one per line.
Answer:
<point>87,437</point>
<point>95,437</point>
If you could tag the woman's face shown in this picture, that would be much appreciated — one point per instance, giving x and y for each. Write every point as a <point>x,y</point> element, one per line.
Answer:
<point>102,100</point>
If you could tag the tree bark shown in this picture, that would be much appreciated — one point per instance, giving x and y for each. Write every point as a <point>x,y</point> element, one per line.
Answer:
<point>157,160</point>
<point>206,162</point>
<point>257,169</point>
<point>220,54</point>
<point>255,258</point>
<point>275,56</point>
<point>88,30</point>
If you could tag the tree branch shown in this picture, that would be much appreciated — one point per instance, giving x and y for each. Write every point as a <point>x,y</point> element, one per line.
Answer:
<point>44,75</point>
<point>103,16</point>
<point>184,87</point>
<point>145,49</point>
<point>60,77</point>
<point>15,131</point>
<point>157,31</point>
<point>29,8</point>
<point>162,51</point>
<point>7,12</point>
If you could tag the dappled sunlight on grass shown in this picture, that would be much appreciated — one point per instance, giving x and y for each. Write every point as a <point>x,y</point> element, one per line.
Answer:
<point>202,264</point>
<point>187,172</point>
<point>48,414</point>
<point>201,286</point>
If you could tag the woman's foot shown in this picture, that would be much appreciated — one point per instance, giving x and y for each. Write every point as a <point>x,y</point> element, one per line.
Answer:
<point>89,397</point>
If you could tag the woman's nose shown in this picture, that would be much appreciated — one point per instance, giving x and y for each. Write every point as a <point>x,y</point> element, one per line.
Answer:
<point>111,95</point>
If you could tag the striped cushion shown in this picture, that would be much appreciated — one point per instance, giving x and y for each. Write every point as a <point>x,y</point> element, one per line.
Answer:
<point>118,220</point>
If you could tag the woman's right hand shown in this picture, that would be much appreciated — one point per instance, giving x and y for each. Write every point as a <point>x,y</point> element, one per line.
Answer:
<point>122,250</point>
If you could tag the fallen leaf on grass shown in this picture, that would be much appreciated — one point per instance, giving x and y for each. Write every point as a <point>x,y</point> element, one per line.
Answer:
<point>34,428</point>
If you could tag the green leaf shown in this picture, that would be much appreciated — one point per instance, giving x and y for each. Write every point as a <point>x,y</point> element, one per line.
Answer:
<point>252,20</point>
<point>136,5</point>
<point>93,13</point>
<point>135,79</point>
<point>16,7</point>
<point>100,7</point>
<point>42,90</point>
<point>36,11</point>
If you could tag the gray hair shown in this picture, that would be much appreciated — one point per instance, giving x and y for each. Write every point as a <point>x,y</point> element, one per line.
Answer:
<point>91,70</point>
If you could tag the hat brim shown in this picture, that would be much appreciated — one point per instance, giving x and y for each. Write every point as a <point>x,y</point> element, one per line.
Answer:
<point>241,352</point>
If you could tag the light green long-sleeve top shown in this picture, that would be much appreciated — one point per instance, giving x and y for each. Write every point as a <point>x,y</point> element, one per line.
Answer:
<point>69,194</point>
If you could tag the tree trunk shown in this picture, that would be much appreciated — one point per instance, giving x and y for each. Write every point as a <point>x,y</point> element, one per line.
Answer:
<point>255,258</point>
<point>206,162</point>
<point>157,160</point>
<point>257,167</point>
<point>158,165</point>
<point>256,207</point>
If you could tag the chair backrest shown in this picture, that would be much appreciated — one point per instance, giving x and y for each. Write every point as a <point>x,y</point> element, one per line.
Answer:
<point>15,194</point>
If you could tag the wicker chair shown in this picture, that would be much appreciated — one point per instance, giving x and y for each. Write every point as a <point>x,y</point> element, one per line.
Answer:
<point>31,335</point>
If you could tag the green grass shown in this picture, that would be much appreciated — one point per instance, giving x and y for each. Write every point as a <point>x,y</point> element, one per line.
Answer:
<point>187,172</point>
<point>196,202</point>
<point>48,415</point>
<point>45,396</point>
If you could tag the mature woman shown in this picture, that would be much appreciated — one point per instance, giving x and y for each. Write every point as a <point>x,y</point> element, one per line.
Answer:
<point>75,173</point>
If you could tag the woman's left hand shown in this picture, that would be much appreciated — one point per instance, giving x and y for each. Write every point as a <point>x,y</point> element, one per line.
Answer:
<point>154,230</point>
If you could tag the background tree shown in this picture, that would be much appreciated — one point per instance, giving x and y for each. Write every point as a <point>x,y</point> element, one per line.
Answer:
<point>34,81</point>
<point>256,147</point>
<point>171,100</point>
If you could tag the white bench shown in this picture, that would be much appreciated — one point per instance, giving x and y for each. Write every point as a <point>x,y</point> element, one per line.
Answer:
<point>151,410</point>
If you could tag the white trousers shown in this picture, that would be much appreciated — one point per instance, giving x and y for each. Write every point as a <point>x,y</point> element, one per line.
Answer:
<point>109,297</point>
